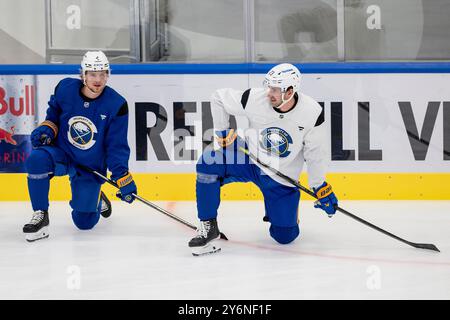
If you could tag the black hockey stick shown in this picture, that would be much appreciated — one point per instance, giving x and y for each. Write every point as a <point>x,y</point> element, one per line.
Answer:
<point>428,246</point>
<point>154,206</point>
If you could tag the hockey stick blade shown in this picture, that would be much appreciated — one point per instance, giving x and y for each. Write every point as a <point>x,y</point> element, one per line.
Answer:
<point>427,246</point>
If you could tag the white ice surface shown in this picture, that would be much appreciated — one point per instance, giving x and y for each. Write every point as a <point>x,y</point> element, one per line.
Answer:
<point>139,253</point>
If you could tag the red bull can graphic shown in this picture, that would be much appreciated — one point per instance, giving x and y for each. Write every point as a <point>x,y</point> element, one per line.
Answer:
<point>18,117</point>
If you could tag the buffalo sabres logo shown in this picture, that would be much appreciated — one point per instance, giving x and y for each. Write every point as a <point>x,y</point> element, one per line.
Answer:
<point>276,141</point>
<point>81,132</point>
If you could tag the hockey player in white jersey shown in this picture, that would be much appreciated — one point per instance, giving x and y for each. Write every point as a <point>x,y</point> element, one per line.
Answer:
<point>286,129</point>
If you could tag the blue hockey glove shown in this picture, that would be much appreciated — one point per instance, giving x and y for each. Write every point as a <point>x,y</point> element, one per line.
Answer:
<point>226,137</point>
<point>327,201</point>
<point>127,188</point>
<point>44,134</point>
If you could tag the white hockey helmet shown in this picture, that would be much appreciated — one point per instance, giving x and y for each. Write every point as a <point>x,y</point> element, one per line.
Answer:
<point>94,61</point>
<point>283,76</point>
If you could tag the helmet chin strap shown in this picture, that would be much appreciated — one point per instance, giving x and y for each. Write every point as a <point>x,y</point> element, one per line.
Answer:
<point>283,101</point>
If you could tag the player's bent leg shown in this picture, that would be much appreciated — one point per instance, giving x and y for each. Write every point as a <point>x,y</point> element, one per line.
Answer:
<point>284,235</point>
<point>85,220</point>
<point>40,168</point>
<point>281,204</point>
<point>85,201</point>
<point>213,171</point>
<point>210,172</point>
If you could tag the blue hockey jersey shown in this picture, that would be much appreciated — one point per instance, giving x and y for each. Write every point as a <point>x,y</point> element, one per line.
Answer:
<point>93,132</point>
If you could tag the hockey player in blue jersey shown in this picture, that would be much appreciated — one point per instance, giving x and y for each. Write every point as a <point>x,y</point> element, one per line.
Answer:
<point>86,124</point>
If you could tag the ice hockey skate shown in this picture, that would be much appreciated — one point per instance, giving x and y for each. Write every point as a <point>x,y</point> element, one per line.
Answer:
<point>37,228</point>
<point>206,240</point>
<point>105,205</point>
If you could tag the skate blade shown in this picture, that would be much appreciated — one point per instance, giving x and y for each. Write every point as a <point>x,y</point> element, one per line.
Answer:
<point>41,234</point>
<point>210,248</point>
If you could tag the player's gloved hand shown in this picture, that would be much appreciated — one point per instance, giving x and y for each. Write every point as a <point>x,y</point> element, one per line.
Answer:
<point>44,134</point>
<point>327,201</point>
<point>126,188</point>
<point>226,137</point>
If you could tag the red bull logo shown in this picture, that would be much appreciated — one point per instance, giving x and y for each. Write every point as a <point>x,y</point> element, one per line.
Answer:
<point>18,118</point>
<point>7,136</point>
<point>24,106</point>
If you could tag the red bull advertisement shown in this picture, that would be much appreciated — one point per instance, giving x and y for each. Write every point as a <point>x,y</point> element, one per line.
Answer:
<point>18,117</point>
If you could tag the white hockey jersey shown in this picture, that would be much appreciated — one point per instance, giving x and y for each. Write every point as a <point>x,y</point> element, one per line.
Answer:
<point>282,140</point>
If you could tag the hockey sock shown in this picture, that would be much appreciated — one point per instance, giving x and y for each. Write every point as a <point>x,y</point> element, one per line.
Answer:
<point>39,167</point>
<point>208,195</point>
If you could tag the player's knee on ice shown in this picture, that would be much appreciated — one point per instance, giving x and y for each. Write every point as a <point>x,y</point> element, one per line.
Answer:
<point>85,220</point>
<point>39,161</point>
<point>284,235</point>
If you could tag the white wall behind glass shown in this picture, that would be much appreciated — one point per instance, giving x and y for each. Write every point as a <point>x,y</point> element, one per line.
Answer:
<point>397,30</point>
<point>383,29</point>
<point>214,31</point>
<point>90,24</point>
<point>22,31</point>
<point>205,30</point>
<point>295,30</point>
